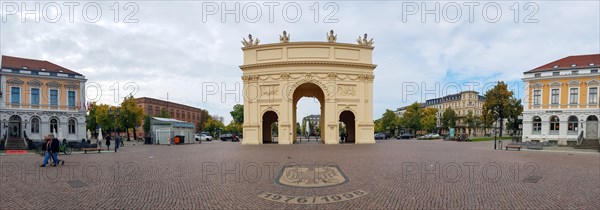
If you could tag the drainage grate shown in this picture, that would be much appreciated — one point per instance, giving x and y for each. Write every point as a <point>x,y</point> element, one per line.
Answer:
<point>532,179</point>
<point>77,184</point>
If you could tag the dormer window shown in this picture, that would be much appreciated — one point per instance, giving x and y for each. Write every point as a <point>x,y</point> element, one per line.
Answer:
<point>592,64</point>
<point>24,67</point>
<point>43,69</point>
<point>556,67</point>
<point>573,65</point>
<point>60,70</point>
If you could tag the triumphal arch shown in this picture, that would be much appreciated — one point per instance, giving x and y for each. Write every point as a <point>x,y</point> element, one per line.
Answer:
<point>339,75</point>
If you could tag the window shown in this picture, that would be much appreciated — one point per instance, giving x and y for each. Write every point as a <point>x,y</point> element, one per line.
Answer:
<point>71,98</point>
<point>54,97</point>
<point>538,75</point>
<point>556,73</point>
<point>536,97</point>
<point>572,125</point>
<point>53,125</point>
<point>35,125</point>
<point>15,95</point>
<point>573,95</point>
<point>554,125</point>
<point>35,96</point>
<point>575,72</point>
<point>594,71</point>
<point>593,95</point>
<point>554,96</point>
<point>71,126</point>
<point>537,125</point>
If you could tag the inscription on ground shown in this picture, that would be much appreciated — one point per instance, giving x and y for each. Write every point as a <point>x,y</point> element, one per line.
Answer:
<point>292,199</point>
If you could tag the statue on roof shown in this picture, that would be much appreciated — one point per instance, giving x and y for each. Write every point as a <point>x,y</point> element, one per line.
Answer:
<point>251,42</point>
<point>331,38</point>
<point>285,38</point>
<point>364,41</point>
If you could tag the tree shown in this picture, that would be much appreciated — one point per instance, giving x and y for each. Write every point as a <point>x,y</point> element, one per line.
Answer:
<point>238,113</point>
<point>212,126</point>
<point>387,120</point>
<point>298,129</point>
<point>147,125</point>
<point>412,117</point>
<point>130,115</point>
<point>498,102</point>
<point>91,123</point>
<point>164,114</point>
<point>204,117</point>
<point>233,127</point>
<point>103,118</point>
<point>428,120</point>
<point>448,118</point>
<point>470,121</point>
<point>486,120</point>
<point>513,112</point>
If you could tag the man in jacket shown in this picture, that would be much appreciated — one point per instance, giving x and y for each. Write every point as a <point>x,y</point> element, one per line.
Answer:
<point>52,147</point>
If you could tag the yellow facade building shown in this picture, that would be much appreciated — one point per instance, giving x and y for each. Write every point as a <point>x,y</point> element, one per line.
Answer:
<point>561,101</point>
<point>37,98</point>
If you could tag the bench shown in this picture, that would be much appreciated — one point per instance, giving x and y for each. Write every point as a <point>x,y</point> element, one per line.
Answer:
<point>513,146</point>
<point>92,149</point>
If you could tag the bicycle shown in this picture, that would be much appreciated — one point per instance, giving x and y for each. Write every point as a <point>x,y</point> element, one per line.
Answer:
<point>66,149</point>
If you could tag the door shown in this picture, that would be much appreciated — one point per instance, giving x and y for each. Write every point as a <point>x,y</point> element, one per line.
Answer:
<point>591,131</point>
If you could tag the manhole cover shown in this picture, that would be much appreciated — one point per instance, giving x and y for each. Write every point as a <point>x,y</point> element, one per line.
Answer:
<point>77,184</point>
<point>532,179</point>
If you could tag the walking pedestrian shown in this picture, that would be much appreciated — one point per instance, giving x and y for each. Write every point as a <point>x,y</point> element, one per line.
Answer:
<point>55,150</point>
<point>117,142</point>
<point>107,142</point>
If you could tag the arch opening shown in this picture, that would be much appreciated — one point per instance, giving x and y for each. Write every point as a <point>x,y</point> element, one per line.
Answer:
<point>308,90</point>
<point>269,119</point>
<point>347,127</point>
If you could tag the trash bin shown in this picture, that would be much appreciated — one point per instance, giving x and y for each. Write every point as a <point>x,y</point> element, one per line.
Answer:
<point>179,139</point>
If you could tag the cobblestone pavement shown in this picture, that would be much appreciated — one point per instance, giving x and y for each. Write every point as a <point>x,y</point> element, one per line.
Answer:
<point>223,175</point>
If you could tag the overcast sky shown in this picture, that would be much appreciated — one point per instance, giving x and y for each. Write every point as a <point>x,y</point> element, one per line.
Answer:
<point>185,48</point>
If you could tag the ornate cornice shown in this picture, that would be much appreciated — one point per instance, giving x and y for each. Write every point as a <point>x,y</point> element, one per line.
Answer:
<point>35,83</point>
<point>15,81</point>
<point>289,63</point>
<point>54,84</point>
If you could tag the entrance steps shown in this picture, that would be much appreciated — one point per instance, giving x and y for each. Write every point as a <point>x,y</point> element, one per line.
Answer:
<point>15,144</point>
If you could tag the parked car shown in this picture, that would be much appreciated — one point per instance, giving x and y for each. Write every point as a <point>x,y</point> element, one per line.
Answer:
<point>229,137</point>
<point>379,136</point>
<point>405,136</point>
<point>203,136</point>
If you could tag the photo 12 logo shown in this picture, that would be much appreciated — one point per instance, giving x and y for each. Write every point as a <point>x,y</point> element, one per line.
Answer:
<point>53,12</point>
<point>254,12</point>
<point>453,12</point>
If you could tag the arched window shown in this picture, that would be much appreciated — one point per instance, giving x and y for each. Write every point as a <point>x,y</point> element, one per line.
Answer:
<point>572,125</point>
<point>35,125</point>
<point>72,126</point>
<point>537,125</point>
<point>554,125</point>
<point>53,125</point>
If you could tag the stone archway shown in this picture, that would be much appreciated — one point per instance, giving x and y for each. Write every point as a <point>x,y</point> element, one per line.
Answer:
<point>14,127</point>
<point>339,75</point>
<point>348,118</point>
<point>268,119</point>
<point>308,90</point>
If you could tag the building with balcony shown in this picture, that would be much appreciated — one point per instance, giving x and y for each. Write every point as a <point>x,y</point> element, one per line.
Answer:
<point>561,101</point>
<point>462,103</point>
<point>37,98</point>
